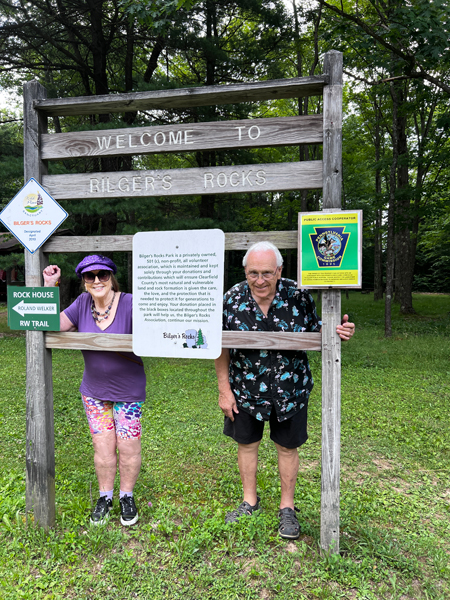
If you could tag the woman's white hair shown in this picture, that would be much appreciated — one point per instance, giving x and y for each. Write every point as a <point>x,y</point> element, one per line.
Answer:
<point>263,246</point>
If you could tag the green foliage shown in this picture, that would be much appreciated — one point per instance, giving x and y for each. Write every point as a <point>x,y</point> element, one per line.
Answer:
<point>396,49</point>
<point>395,456</point>
<point>11,160</point>
<point>433,271</point>
<point>415,35</point>
<point>81,49</point>
<point>14,259</point>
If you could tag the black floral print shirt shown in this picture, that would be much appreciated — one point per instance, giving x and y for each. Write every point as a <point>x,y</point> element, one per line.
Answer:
<point>262,380</point>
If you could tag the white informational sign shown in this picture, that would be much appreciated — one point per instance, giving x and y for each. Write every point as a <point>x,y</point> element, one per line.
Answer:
<point>32,215</point>
<point>178,293</point>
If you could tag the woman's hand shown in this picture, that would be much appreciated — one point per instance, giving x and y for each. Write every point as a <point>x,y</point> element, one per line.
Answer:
<point>51,275</point>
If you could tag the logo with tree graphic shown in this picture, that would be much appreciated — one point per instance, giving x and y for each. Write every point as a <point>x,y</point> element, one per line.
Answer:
<point>33,203</point>
<point>195,339</point>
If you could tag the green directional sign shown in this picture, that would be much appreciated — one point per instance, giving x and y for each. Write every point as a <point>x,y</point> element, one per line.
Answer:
<point>33,308</point>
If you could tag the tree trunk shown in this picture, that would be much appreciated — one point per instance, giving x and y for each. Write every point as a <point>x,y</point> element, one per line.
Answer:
<point>99,48</point>
<point>378,256</point>
<point>129,117</point>
<point>404,259</point>
<point>391,215</point>
<point>378,246</point>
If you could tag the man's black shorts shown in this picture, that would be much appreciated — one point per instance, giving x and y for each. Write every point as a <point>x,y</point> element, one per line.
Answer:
<point>245,429</point>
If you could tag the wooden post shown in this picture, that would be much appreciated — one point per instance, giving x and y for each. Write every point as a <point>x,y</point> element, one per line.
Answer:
<point>40,445</point>
<point>331,312</point>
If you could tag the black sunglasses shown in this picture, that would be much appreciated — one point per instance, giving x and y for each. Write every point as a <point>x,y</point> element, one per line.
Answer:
<point>103,276</point>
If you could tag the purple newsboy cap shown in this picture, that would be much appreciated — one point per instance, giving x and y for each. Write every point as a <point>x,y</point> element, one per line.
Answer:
<point>95,262</point>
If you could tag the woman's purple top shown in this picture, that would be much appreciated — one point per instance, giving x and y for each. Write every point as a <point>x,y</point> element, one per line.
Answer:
<point>113,376</point>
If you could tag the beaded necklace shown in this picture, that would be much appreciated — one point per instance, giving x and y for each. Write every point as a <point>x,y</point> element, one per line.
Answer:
<point>98,316</point>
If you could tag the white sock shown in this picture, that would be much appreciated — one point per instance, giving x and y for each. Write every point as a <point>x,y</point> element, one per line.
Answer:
<point>109,495</point>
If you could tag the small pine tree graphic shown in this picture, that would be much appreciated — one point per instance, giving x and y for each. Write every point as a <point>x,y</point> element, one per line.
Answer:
<point>200,341</point>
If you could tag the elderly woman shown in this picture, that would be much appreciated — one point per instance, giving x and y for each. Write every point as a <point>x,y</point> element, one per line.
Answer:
<point>113,385</point>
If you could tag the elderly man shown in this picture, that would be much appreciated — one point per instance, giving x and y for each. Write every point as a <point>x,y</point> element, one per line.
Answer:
<point>268,385</point>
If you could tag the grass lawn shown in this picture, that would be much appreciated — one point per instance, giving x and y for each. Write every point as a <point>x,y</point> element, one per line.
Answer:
<point>395,491</point>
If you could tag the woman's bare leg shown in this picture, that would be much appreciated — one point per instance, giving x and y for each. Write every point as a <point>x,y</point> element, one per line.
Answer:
<point>105,459</point>
<point>129,462</point>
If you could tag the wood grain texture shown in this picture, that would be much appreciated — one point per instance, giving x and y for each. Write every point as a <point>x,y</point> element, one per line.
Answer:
<point>242,241</point>
<point>108,342</point>
<point>186,182</point>
<point>332,132</point>
<point>124,243</point>
<point>40,446</point>
<point>230,339</point>
<point>90,243</point>
<point>331,420</point>
<point>297,87</point>
<point>190,137</point>
<point>331,315</point>
<point>271,340</point>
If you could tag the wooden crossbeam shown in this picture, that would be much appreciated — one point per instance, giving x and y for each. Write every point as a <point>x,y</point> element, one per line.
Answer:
<point>255,178</point>
<point>185,137</point>
<point>114,342</point>
<point>297,87</point>
<point>124,243</point>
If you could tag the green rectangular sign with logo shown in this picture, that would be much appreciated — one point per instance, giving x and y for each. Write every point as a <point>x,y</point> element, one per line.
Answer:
<point>330,249</point>
<point>33,308</point>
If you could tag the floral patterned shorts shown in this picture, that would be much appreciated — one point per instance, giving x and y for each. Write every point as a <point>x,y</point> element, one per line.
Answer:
<point>123,417</point>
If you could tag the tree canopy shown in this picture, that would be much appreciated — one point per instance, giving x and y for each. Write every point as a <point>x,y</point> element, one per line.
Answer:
<point>396,126</point>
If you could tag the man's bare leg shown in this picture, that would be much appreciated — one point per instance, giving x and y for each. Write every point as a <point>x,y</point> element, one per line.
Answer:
<point>288,464</point>
<point>248,465</point>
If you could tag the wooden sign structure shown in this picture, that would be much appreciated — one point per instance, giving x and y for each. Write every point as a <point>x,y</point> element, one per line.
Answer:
<point>41,147</point>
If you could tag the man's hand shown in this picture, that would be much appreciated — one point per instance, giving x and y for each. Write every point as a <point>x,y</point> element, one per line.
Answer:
<point>345,330</point>
<point>51,275</point>
<point>227,404</point>
<point>227,401</point>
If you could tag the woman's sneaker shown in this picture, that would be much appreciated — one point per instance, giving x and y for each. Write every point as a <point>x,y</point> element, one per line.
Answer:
<point>100,514</point>
<point>128,511</point>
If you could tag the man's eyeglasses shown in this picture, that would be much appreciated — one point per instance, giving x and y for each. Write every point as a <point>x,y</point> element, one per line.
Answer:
<point>266,275</point>
<point>103,276</point>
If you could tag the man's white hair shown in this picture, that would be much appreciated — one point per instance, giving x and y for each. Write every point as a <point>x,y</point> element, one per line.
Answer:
<point>264,246</point>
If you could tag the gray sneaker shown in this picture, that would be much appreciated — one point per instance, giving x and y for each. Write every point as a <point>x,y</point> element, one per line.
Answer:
<point>289,528</point>
<point>243,509</point>
<point>100,514</point>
